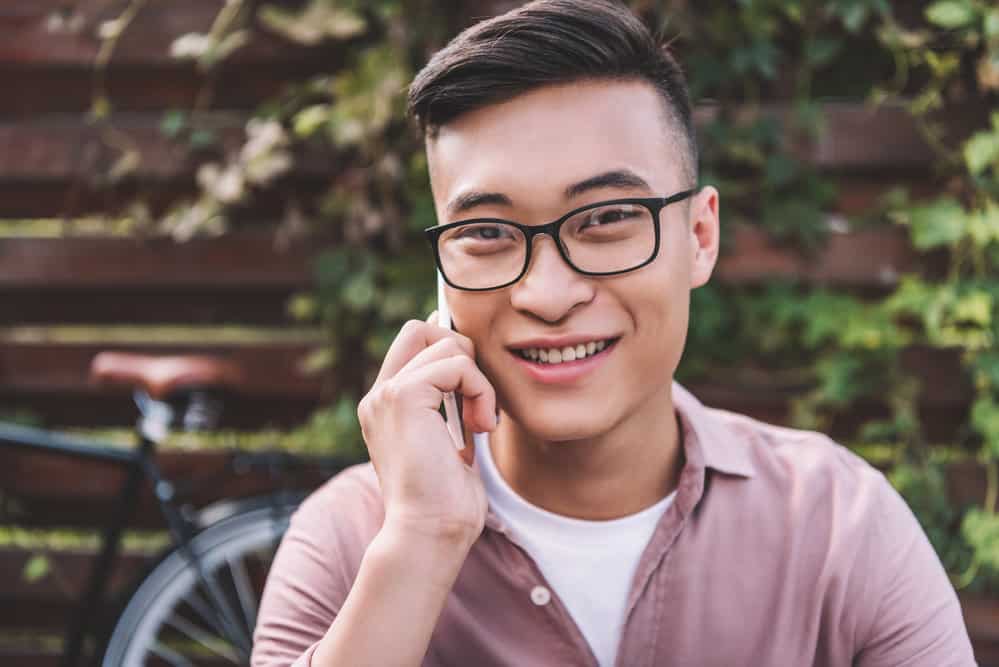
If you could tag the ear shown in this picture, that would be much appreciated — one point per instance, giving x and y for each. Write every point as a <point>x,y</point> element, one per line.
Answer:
<point>703,225</point>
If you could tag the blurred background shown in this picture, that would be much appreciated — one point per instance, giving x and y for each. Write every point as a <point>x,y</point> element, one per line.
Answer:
<point>237,178</point>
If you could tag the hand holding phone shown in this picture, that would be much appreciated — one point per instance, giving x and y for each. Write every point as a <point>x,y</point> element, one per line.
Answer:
<point>428,489</point>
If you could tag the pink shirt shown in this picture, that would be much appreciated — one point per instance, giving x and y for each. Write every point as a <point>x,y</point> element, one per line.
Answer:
<point>782,548</point>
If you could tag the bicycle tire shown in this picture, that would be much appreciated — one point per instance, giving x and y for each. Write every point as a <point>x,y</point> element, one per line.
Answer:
<point>178,619</point>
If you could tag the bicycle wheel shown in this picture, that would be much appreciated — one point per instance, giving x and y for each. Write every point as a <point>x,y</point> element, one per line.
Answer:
<point>179,617</point>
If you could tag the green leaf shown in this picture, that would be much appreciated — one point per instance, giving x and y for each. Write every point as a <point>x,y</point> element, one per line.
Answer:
<point>951,14</point>
<point>359,292</point>
<point>317,22</point>
<point>303,307</point>
<point>980,151</point>
<point>986,367</point>
<point>37,567</point>
<point>310,119</point>
<point>981,529</point>
<point>318,360</point>
<point>100,107</point>
<point>985,420</point>
<point>203,138</point>
<point>173,123</point>
<point>992,24</point>
<point>940,223</point>
<point>821,51</point>
<point>974,309</point>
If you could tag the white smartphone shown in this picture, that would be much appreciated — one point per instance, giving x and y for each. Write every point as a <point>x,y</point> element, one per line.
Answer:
<point>450,402</point>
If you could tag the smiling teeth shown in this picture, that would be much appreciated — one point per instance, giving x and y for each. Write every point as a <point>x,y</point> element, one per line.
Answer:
<point>555,355</point>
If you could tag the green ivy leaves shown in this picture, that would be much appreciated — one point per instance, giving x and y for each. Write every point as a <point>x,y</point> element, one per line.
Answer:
<point>318,21</point>
<point>952,13</point>
<point>981,151</point>
<point>939,223</point>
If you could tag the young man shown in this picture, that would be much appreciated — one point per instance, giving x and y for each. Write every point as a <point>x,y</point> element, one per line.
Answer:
<point>609,518</point>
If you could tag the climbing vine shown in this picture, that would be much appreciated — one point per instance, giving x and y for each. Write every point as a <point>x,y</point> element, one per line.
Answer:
<point>834,350</point>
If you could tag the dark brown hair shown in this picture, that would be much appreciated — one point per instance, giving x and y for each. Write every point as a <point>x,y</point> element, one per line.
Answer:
<point>549,42</point>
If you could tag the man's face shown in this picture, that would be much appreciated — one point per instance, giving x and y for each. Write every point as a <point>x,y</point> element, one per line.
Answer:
<point>531,150</point>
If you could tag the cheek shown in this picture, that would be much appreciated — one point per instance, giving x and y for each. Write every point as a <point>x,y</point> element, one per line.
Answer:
<point>473,315</point>
<point>661,317</point>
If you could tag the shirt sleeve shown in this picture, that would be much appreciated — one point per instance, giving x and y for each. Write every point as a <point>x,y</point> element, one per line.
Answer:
<point>307,584</point>
<point>910,610</point>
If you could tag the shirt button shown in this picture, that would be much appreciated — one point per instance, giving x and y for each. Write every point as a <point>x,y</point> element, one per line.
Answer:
<point>540,596</point>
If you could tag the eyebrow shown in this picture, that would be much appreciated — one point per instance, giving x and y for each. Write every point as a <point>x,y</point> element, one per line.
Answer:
<point>617,178</point>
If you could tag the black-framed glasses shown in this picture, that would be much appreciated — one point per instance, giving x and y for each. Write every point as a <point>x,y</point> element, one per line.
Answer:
<point>601,239</point>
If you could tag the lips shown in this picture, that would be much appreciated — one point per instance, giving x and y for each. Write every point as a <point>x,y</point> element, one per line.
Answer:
<point>562,371</point>
<point>563,354</point>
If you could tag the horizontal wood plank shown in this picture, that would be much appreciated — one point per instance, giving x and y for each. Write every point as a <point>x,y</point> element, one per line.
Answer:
<point>54,490</point>
<point>200,306</point>
<point>61,156</point>
<point>866,257</point>
<point>245,262</point>
<point>178,86</point>
<point>271,370</point>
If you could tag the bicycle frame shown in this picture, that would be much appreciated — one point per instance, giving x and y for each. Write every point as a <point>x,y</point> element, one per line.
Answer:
<point>140,465</point>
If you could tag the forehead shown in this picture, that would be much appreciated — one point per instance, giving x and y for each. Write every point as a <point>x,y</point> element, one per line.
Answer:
<point>532,146</point>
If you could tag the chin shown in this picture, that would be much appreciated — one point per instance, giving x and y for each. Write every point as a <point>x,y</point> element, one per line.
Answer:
<point>553,423</point>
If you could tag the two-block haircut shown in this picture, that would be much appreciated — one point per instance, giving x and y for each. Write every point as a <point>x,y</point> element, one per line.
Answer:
<point>551,42</point>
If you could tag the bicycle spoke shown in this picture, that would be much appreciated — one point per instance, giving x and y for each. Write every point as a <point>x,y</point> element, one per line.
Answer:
<point>238,633</point>
<point>244,589</point>
<point>200,605</point>
<point>167,654</point>
<point>204,610</point>
<point>214,644</point>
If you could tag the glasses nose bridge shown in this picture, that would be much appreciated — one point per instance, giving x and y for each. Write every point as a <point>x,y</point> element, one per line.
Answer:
<point>549,229</point>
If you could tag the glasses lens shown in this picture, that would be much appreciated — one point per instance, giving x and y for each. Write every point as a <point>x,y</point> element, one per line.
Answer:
<point>482,255</point>
<point>609,238</point>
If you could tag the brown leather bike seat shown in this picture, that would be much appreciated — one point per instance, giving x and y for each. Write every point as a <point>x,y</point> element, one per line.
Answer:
<point>161,376</point>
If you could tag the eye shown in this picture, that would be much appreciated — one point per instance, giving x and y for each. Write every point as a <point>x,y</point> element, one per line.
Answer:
<point>609,215</point>
<point>482,232</point>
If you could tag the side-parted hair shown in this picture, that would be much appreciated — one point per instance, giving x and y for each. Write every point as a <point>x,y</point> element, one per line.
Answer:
<point>550,42</point>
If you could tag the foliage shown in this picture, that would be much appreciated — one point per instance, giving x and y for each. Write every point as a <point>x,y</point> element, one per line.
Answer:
<point>761,70</point>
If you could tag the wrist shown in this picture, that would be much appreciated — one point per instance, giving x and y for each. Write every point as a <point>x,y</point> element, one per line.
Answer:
<point>427,549</point>
<point>446,533</point>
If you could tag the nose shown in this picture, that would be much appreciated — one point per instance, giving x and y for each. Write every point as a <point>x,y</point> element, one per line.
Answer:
<point>550,289</point>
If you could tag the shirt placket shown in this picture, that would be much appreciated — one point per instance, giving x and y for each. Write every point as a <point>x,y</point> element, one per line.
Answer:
<point>652,572</point>
<point>543,596</point>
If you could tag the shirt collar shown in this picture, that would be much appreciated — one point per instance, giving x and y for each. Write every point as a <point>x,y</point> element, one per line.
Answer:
<point>708,441</point>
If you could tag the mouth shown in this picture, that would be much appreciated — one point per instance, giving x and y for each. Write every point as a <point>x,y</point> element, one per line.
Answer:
<point>555,356</point>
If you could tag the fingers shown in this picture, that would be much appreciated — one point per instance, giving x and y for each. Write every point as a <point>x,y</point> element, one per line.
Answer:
<point>414,337</point>
<point>457,374</point>
<point>468,453</point>
<point>449,346</point>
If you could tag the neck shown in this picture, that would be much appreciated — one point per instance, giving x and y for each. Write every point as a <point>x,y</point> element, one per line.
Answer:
<point>634,465</point>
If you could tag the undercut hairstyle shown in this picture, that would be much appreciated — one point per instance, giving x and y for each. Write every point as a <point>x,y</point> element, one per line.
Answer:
<point>551,42</point>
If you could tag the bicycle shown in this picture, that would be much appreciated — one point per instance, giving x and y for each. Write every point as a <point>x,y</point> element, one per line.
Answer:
<point>197,604</point>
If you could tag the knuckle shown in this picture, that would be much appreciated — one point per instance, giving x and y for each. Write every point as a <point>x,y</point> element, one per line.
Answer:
<point>364,409</point>
<point>390,391</point>
<point>451,346</point>
<point>467,365</point>
<point>411,327</point>
<point>467,342</point>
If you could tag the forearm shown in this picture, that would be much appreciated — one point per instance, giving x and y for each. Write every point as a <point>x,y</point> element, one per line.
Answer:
<point>391,611</point>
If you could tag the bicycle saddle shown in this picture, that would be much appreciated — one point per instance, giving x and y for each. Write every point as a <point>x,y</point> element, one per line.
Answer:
<point>161,376</point>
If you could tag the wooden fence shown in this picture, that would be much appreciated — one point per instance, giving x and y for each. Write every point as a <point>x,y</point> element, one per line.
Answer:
<point>49,153</point>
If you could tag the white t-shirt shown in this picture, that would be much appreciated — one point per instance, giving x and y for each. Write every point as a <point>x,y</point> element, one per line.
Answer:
<point>590,564</point>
